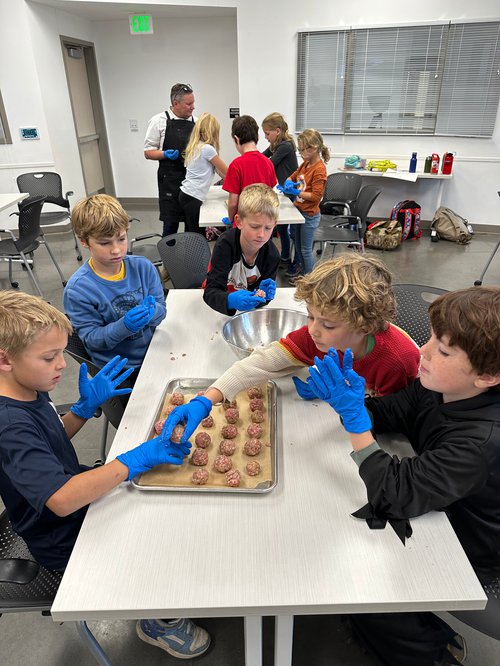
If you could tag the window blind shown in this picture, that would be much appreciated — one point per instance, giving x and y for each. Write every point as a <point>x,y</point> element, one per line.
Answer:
<point>470,91</point>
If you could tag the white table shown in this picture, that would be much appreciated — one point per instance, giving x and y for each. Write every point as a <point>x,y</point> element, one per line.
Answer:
<point>7,200</point>
<point>406,176</point>
<point>296,550</point>
<point>215,208</point>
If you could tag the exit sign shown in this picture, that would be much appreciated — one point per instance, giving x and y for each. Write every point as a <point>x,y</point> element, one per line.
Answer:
<point>141,24</point>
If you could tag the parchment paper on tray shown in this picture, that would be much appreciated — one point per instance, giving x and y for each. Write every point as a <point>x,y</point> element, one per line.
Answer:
<point>172,477</point>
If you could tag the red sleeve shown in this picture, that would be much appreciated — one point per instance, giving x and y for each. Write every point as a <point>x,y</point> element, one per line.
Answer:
<point>300,344</point>
<point>232,181</point>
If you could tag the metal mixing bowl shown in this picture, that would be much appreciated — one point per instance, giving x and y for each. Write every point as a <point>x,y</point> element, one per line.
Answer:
<point>257,328</point>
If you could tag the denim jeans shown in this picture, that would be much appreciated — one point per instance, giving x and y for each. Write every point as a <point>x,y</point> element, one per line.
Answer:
<point>284,240</point>
<point>303,236</point>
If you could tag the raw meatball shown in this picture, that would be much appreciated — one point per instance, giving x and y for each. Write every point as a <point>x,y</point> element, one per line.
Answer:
<point>200,476</point>
<point>177,433</point>
<point>256,404</point>
<point>257,416</point>
<point>222,463</point>
<point>202,440</point>
<point>177,399</point>
<point>227,447</point>
<point>159,426</point>
<point>255,430</point>
<point>208,422</point>
<point>229,403</point>
<point>199,457</point>
<point>252,468</point>
<point>260,293</point>
<point>232,414</point>
<point>233,478</point>
<point>200,393</point>
<point>229,431</point>
<point>169,409</point>
<point>252,447</point>
<point>254,392</point>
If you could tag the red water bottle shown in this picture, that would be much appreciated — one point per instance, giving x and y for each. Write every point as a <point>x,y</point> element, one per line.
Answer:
<point>447,164</point>
<point>435,163</point>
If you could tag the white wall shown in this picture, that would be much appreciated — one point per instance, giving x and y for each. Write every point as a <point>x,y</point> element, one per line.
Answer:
<point>136,76</point>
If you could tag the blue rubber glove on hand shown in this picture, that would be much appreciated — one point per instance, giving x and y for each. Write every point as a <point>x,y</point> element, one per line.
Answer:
<point>151,453</point>
<point>342,388</point>
<point>94,392</point>
<point>139,317</point>
<point>290,188</point>
<point>269,286</point>
<point>226,221</point>
<point>150,304</point>
<point>191,414</point>
<point>304,389</point>
<point>170,154</point>
<point>243,300</point>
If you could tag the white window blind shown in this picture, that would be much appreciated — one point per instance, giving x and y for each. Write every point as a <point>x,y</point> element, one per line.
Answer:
<point>320,82</point>
<point>418,79</point>
<point>470,90</point>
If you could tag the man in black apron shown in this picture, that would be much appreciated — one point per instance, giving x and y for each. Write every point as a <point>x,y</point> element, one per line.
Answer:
<point>166,140</point>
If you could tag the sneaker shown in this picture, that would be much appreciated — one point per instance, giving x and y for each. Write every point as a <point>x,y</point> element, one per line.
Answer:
<point>457,652</point>
<point>181,638</point>
<point>285,262</point>
<point>293,270</point>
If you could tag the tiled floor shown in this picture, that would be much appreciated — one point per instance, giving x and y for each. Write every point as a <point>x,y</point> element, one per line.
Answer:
<point>32,640</point>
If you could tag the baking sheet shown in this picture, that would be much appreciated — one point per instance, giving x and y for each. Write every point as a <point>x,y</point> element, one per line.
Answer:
<point>175,478</point>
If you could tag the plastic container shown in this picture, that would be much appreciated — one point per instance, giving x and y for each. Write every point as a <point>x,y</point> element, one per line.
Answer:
<point>428,164</point>
<point>447,164</point>
<point>435,163</point>
<point>413,163</point>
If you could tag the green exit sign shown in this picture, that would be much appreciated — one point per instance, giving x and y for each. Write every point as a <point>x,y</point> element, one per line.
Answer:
<point>141,24</point>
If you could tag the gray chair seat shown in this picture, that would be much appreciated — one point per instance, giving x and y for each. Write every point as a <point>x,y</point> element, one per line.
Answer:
<point>412,301</point>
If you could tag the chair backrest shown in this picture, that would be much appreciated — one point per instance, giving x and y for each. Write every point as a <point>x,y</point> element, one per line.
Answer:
<point>45,183</point>
<point>185,257</point>
<point>342,186</point>
<point>361,207</point>
<point>30,211</point>
<point>24,584</point>
<point>412,314</point>
<point>113,408</point>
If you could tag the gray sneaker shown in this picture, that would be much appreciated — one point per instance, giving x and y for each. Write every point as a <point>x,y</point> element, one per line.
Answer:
<point>181,638</point>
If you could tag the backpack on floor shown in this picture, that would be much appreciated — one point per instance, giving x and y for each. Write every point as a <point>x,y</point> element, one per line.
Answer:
<point>451,226</point>
<point>383,235</point>
<point>407,213</point>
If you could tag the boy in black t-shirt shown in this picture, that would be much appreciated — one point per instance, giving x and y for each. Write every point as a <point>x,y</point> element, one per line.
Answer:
<point>241,275</point>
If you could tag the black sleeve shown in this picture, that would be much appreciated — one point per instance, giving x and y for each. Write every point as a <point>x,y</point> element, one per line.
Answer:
<point>223,258</point>
<point>267,153</point>
<point>281,152</point>
<point>396,412</point>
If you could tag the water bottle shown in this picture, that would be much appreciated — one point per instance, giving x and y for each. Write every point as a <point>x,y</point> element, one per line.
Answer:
<point>428,164</point>
<point>413,163</point>
<point>435,163</point>
<point>447,164</point>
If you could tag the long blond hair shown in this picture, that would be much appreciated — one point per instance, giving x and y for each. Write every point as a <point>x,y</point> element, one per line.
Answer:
<point>311,138</point>
<point>276,121</point>
<point>205,131</point>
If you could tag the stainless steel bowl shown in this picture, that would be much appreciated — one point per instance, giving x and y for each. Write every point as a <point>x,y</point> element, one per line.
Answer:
<point>257,328</point>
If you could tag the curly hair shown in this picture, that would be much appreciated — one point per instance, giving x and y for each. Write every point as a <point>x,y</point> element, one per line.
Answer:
<point>471,319</point>
<point>356,289</point>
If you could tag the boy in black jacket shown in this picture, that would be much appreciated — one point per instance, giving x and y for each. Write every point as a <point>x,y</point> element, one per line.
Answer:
<point>451,416</point>
<point>242,272</point>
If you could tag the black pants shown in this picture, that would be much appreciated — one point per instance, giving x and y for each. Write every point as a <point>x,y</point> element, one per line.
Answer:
<point>412,639</point>
<point>191,212</point>
<point>170,214</point>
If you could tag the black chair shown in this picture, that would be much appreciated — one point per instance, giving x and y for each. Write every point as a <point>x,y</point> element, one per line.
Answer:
<point>185,257</point>
<point>49,185</point>
<point>30,237</point>
<point>113,409</point>
<point>347,229</point>
<point>412,315</point>
<point>26,586</point>
<point>479,282</point>
<point>341,191</point>
<point>137,246</point>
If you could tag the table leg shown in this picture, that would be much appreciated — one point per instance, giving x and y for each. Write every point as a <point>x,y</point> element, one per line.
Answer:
<point>283,640</point>
<point>91,642</point>
<point>440,193</point>
<point>253,640</point>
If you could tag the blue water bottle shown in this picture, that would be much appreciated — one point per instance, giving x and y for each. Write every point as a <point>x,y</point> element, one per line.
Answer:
<point>413,163</point>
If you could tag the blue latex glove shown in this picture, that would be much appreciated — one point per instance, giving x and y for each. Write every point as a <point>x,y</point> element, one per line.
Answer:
<point>170,154</point>
<point>191,414</point>
<point>150,303</point>
<point>139,317</point>
<point>151,453</point>
<point>304,389</point>
<point>226,221</point>
<point>269,286</point>
<point>243,300</point>
<point>94,392</point>
<point>342,388</point>
<point>290,188</point>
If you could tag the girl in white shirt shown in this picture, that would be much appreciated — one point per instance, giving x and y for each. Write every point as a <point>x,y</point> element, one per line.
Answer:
<point>202,161</point>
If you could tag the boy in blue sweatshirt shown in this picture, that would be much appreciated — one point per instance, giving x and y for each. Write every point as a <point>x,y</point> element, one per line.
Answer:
<point>115,300</point>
